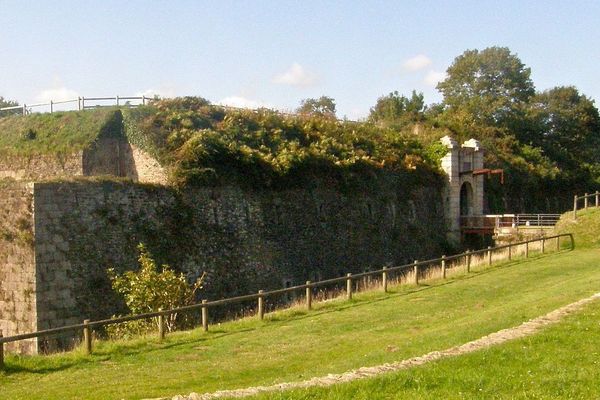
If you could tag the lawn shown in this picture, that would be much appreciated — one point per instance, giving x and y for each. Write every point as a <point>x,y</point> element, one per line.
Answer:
<point>562,361</point>
<point>294,345</point>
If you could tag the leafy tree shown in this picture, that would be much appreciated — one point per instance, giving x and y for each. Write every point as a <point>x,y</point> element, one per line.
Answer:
<point>323,106</point>
<point>8,103</point>
<point>488,87</point>
<point>149,290</point>
<point>396,109</point>
<point>566,125</point>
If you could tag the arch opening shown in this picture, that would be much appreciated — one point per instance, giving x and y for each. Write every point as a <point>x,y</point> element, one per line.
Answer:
<point>466,199</point>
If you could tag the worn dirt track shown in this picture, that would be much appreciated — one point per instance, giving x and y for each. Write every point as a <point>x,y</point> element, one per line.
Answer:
<point>525,329</point>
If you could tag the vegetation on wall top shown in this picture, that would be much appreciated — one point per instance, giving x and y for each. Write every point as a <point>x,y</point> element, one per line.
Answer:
<point>56,133</point>
<point>207,144</point>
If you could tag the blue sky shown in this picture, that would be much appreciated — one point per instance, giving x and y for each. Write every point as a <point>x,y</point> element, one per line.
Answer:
<point>276,53</point>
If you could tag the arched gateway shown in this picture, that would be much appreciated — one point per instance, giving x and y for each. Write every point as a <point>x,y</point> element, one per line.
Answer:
<point>464,190</point>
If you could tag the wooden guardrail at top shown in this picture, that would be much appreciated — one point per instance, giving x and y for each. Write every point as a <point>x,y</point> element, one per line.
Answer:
<point>81,105</point>
<point>586,202</point>
<point>416,267</point>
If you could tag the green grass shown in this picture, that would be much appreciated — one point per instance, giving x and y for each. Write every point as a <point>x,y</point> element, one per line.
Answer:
<point>295,345</point>
<point>585,228</point>
<point>562,361</point>
<point>56,133</point>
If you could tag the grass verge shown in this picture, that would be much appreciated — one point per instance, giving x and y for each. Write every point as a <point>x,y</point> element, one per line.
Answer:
<point>294,345</point>
<point>562,361</point>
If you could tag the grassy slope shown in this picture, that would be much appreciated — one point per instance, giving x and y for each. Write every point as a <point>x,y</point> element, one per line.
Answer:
<point>295,345</point>
<point>560,362</point>
<point>563,361</point>
<point>57,133</point>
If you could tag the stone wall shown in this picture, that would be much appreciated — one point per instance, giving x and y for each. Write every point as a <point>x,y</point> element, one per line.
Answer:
<point>18,313</point>
<point>244,240</point>
<point>38,167</point>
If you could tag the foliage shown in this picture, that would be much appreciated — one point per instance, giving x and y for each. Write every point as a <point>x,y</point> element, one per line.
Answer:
<point>489,86</point>
<point>397,110</point>
<point>9,103</point>
<point>209,145</point>
<point>150,290</point>
<point>324,106</point>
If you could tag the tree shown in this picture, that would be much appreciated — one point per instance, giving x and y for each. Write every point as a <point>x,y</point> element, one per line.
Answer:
<point>490,86</point>
<point>396,109</point>
<point>324,106</point>
<point>566,125</point>
<point>8,103</point>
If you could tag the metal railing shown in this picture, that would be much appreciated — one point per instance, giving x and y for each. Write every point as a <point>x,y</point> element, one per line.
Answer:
<point>492,222</point>
<point>416,268</point>
<point>84,103</point>
<point>577,200</point>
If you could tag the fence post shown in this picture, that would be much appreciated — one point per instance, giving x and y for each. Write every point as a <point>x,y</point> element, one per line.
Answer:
<point>444,266</point>
<point>1,352</point>
<point>24,109</point>
<point>543,244</point>
<point>161,325</point>
<point>585,201</point>
<point>51,106</point>
<point>349,286</point>
<point>416,271</point>
<point>87,337</point>
<point>575,207</point>
<point>384,277</point>
<point>144,100</point>
<point>558,243</point>
<point>526,249</point>
<point>261,304</point>
<point>308,295</point>
<point>509,251</point>
<point>117,100</point>
<point>468,261</point>
<point>489,255</point>
<point>597,198</point>
<point>204,316</point>
<point>79,103</point>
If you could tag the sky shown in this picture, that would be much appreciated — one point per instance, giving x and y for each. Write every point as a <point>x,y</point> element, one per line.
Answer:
<point>276,53</point>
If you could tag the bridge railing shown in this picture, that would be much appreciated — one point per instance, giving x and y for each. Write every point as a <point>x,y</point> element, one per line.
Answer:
<point>585,201</point>
<point>491,222</point>
<point>413,273</point>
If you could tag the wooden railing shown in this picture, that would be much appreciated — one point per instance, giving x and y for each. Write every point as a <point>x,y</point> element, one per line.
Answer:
<point>416,269</point>
<point>577,200</point>
<point>92,102</point>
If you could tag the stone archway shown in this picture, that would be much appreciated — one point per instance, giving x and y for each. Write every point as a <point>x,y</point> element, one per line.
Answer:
<point>466,199</point>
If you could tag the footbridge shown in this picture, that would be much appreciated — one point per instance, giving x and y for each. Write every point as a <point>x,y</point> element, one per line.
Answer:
<point>500,225</point>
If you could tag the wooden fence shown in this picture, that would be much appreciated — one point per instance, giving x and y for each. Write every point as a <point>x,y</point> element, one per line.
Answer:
<point>577,200</point>
<point>416,270</point>
<point>92,102</point>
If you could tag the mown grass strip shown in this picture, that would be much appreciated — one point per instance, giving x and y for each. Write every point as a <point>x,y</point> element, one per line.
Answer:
<point>292,345</point>
<point>560,362</point>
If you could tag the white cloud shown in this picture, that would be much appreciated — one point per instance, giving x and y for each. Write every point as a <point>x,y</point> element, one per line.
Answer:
<point>56,94</point>
<point>164,92</point>
<point>433,78</point>
<point>296,75</point>
<point>417,63</point>
<point>242,102</point>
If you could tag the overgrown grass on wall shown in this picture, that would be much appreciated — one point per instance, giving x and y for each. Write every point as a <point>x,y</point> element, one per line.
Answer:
<point>56,133</point>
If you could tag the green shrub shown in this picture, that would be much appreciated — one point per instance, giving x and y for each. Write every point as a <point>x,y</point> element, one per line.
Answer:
<point>150,290</point>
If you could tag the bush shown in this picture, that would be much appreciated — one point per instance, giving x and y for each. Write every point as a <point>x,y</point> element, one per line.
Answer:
<point>149,290</point>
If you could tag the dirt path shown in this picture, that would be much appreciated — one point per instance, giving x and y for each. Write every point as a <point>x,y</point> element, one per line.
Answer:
<point>525,329</point>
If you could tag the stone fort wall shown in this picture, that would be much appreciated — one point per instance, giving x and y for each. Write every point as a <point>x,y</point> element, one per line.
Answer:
<point>245,240</point>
